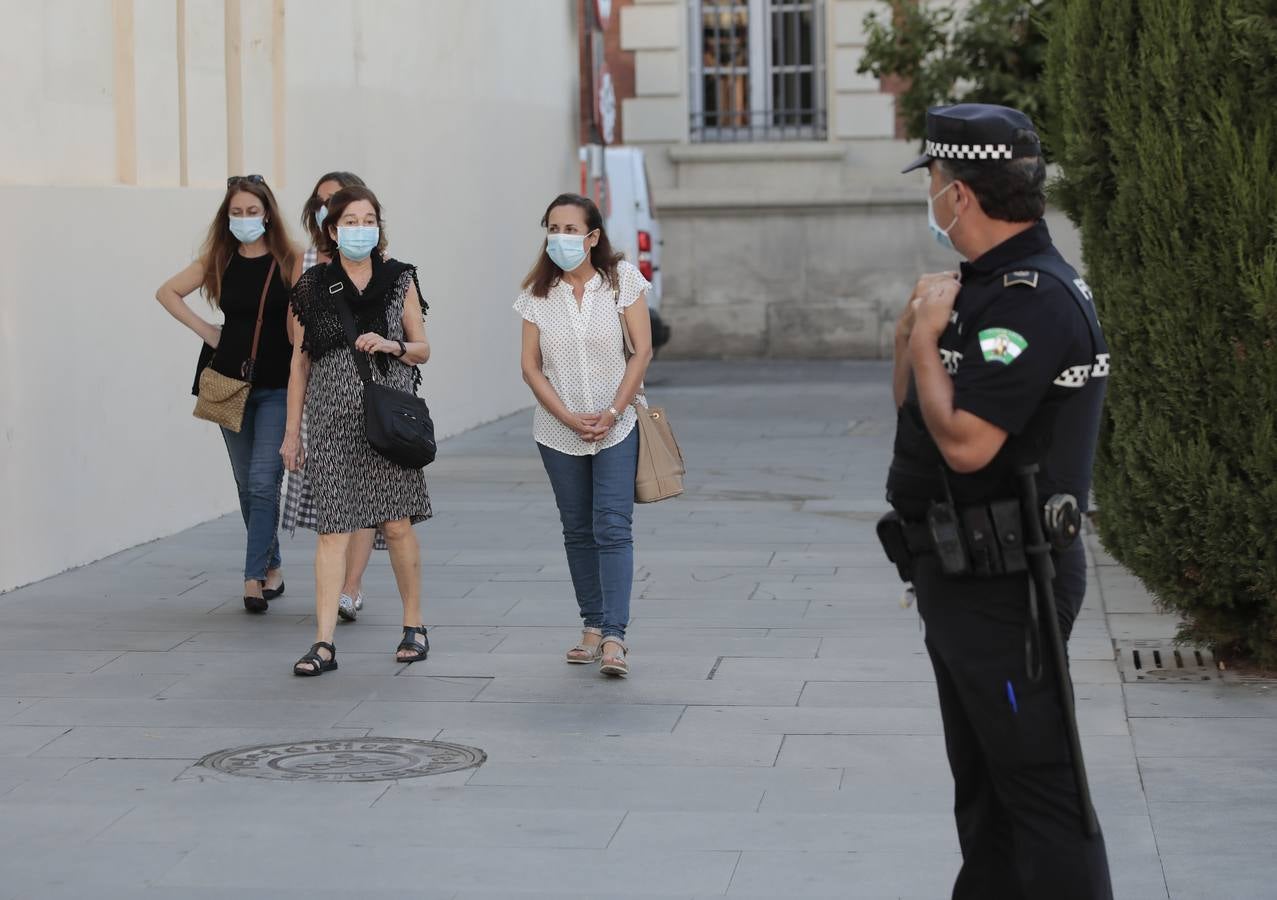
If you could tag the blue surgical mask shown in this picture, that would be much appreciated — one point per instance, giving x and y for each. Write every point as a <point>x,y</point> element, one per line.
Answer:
<point>320,215</point>
<point>566,250</point>
<point>247,228</point>
<point>941,234</point>
<point>357,241</point>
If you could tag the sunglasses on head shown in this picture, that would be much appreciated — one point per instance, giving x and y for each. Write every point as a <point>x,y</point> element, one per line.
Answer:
<point>251,179</point>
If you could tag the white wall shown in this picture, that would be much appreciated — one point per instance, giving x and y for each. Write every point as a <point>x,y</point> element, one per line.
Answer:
<point>459,113</point>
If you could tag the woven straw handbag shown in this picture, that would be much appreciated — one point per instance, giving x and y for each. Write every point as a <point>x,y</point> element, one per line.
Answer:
<point>222,398</point>
<point>660,460</point>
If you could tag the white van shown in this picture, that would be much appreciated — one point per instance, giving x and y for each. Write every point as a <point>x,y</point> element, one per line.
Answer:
<point>632,225</point>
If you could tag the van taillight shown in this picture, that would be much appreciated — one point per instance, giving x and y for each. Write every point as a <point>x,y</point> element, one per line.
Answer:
<point>645,254</point>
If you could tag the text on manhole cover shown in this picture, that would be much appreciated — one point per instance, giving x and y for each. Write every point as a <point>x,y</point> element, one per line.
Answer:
<point>356,759</point>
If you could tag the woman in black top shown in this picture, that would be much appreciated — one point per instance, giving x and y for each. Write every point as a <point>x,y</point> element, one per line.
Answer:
<point>246,237</point>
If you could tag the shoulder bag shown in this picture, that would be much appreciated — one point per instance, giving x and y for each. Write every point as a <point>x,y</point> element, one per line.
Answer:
<point>396,423</point>
<point>660,460</point>
<point>222,398</point>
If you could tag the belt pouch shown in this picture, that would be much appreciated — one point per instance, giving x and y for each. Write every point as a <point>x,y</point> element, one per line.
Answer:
<point>891,533</point>
<point>1008,525</point>
<point>982,542</point>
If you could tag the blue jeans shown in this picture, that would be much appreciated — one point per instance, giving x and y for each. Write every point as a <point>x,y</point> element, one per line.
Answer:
<point>259,469</point>
<point>595,495</point>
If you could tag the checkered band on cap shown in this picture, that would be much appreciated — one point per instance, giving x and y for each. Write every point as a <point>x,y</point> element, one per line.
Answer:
<point>938,150</point>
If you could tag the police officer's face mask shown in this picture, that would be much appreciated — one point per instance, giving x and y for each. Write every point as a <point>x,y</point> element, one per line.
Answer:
<point>941,234</point>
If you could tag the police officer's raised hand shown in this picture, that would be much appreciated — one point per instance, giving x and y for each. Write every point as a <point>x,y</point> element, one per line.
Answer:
<point>933,307</point>
<point>904,325</point>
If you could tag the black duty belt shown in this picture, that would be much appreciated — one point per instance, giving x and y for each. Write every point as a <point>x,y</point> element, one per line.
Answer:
<point>984,540</point>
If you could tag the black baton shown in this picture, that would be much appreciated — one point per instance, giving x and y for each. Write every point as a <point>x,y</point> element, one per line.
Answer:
<point>1042,571</point>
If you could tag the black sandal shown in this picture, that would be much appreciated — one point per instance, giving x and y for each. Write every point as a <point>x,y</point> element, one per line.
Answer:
<point>409,642</point>
<point>317,664</point>
<point>272,593</point>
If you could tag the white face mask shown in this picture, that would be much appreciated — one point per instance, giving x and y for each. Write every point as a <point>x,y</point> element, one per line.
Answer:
<point>941,234</point>
<point>248,229</point>
<point>568,251</point>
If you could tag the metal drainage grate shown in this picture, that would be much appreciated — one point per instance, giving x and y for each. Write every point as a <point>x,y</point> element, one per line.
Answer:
<point>358,759</point>
<point>1164,661</point>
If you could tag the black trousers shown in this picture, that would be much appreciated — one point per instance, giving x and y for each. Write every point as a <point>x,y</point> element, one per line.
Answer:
<point>1016,802</point>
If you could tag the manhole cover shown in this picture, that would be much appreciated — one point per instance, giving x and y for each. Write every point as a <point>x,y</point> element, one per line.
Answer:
<point>1164,661</point>
<point>358,759</point>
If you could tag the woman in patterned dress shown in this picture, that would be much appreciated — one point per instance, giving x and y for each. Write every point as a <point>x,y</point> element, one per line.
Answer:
<point>585,426</point>
<point>354,487</point>
<point>299,503</point>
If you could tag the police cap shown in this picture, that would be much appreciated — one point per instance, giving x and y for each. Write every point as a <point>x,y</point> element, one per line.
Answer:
<point>977,131</point>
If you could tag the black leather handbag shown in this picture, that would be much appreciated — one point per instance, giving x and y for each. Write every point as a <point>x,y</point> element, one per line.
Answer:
<point>396,423</point>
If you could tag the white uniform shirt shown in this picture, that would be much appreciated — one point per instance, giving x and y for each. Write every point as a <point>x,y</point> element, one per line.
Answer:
<point>583,355</point>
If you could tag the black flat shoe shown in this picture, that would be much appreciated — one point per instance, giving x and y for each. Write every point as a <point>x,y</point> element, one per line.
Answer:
<point>313,664</point>
<point>256,605</point>
<point>420,649</point>
<point>272,593</point>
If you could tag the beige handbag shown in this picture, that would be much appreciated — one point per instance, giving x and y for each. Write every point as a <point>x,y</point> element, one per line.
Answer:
<point>660,461</point>
<point>222,398</point>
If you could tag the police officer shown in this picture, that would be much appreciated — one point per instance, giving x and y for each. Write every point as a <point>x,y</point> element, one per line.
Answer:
<point>999,365</point>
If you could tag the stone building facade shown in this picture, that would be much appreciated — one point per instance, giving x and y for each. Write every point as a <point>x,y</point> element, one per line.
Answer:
<point>789,231</point>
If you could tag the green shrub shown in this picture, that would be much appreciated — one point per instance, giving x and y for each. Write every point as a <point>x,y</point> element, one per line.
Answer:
<point>993,52</point>
<point>1165,123</point>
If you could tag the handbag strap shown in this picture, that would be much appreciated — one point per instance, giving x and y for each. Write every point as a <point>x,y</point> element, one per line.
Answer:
<point>249,369</point>
<point>628,342</point>
<point>352,334</point>
<point>625,328</point>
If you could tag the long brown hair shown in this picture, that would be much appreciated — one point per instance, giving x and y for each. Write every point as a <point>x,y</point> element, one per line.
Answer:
<point>220,244</point>
<point>343,179</point>
<point>545,272</point>
<point>337,204</point>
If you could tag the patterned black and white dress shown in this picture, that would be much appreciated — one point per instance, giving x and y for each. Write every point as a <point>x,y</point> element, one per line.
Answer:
<point>299,501</point>
<point>350,484</point>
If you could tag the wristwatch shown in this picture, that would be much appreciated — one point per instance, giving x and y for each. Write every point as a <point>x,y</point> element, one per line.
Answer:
<point>402,350</point>
<point>615,415</point>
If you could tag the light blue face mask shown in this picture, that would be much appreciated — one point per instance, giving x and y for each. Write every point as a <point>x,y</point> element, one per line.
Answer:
<point>566,250</point>
<point>357,241</point>
<point>941,234</point>
<point>247,228</point>
<point>320,215</point>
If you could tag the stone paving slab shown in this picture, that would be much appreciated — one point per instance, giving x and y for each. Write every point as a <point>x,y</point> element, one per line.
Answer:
<point>779,737</point>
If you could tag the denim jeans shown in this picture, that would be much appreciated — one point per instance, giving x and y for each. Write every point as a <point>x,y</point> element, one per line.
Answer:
<point>595,495</point>
<point>259,469</point>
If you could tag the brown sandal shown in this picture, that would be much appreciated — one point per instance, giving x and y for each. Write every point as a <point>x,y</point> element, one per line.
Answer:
<point>614,663</point>
<point>583,653</point>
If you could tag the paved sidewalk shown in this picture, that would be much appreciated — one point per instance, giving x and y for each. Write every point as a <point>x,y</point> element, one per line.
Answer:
<point>779,736</point>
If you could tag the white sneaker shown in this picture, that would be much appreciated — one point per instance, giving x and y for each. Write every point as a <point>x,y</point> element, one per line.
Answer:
<point>348,607</point>
<point>359,601</point>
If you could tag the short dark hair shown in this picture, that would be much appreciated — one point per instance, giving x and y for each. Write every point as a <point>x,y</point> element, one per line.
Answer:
<point>337,204</point>
<point>1012,190</point>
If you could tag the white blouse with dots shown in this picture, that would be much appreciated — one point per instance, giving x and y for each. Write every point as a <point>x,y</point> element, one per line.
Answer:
<point>583,355</point>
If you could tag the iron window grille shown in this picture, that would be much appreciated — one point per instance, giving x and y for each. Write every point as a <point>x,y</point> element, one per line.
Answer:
<point>757,70</point>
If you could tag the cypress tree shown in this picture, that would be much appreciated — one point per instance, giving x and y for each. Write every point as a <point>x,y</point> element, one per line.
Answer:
<point>1165,114</point>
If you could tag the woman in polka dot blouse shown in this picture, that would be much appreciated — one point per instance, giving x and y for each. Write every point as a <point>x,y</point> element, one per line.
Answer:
<point>585,425</point>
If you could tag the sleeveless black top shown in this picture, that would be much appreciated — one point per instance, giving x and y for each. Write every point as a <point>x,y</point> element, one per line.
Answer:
<point>241,292</point>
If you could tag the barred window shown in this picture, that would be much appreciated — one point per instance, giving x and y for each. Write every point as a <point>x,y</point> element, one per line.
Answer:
<point>758,70</point>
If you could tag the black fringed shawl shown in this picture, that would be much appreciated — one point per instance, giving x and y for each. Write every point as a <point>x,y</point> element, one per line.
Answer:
<point>315,297</point>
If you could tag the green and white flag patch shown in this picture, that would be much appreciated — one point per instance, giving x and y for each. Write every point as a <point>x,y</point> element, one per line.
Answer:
<point>1001,345</point>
